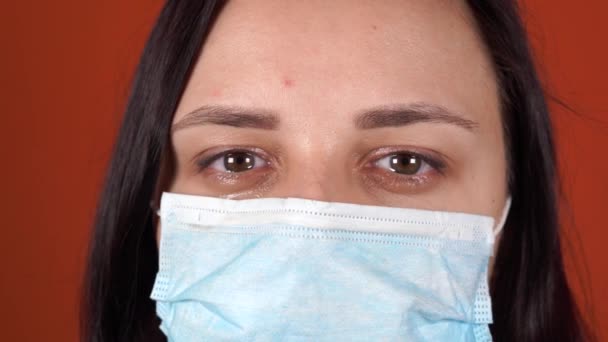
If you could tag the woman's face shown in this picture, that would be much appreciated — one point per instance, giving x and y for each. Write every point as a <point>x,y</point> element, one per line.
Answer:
<point>390,103</point>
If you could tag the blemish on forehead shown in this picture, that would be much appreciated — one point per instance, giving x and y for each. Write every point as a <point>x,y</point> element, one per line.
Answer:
<point>216,92</point>
<point>287,82</point>
<point>375,27</point>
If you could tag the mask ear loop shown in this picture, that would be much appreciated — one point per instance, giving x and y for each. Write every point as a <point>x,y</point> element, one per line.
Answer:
<point>155,208</point>
<point>503,217</point>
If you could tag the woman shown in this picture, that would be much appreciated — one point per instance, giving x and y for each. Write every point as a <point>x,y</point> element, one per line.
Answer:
<point>425,105</point>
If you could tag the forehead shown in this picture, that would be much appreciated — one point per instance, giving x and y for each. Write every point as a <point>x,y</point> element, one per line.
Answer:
<point>343,55</point>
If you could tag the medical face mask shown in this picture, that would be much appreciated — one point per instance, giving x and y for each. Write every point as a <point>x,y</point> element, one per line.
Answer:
<point>290,269</point>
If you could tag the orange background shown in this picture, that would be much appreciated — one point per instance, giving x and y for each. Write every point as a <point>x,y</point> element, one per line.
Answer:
<point>65,68</point>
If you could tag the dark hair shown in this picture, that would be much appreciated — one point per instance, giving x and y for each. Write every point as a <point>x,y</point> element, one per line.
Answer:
<point>531,297</point>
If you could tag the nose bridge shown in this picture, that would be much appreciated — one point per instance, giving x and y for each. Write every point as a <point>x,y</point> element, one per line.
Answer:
<point>309,178</point>
<point>311,172</point>
<point>315,165</point>
<point>328,185</point>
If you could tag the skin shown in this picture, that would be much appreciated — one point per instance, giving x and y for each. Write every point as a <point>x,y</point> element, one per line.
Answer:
<point>316,65</point>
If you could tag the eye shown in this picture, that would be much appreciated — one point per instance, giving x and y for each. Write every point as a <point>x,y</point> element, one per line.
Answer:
<point>234,162</point>
<point>406,163</point>
<point>400,171</point>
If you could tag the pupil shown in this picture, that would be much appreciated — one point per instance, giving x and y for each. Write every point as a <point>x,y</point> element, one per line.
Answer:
<point>405,164</point>
<point>238,161</point>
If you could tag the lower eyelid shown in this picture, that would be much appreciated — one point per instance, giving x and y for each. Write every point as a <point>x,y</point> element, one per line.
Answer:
<point>383,180</point>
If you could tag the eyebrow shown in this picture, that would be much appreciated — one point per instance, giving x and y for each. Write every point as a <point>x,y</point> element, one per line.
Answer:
<point>411,113</point>
<point>234,116</point>
<point>377,117</point>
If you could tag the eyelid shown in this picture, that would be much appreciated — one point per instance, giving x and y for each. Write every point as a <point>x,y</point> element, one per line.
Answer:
<point>385,163</point>
<point>202,162</point>
<point>433,159</point>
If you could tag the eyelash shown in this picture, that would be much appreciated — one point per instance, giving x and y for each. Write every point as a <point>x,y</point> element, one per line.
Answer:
<point>435,163</point>
<point>428,161</point>
<point>208,162</point>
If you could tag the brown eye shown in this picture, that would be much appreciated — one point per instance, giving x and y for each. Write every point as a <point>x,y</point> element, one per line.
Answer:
<point>238,161</point>
<point>232,161</point>
<point>405,171</point>
<point>403,163</point>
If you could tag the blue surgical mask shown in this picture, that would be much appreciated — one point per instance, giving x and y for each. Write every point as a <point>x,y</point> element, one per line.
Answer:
<point>291,269</point>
